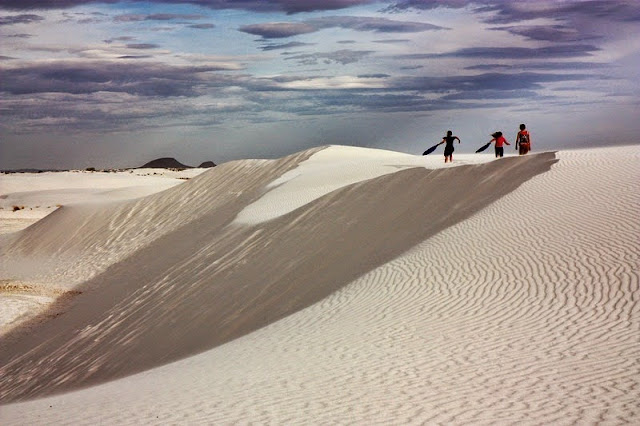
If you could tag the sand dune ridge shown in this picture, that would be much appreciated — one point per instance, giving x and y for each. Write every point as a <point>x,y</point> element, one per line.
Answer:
<point>525,313</point>
<point>75,243</point>
<point>203,283</point>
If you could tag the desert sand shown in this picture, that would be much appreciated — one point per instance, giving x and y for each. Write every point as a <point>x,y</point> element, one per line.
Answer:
<point>38,194</point>
<point>339,285</point>
<point>26,198</point>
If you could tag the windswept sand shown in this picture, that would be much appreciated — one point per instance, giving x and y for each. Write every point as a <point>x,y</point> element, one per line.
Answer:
<point>504,292</point>
<point>25,198</point>
<point>38,194</point>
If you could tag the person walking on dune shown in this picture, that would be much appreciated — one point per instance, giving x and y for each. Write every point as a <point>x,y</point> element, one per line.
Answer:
<point>448,149</point>
<point>523,140</point>
<point>499,141</point>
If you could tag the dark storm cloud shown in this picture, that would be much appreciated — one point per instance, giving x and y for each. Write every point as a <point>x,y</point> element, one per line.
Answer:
<point>379,25</point>
<point>142,46</point>
<point>337,102</point>
<point>155,17</point>
<point>373,76</point>
<point>620,11</point>
<point>507,11</point>
<point>144,79</point>
<point>356,23</point>
<point>122,38</point>
<point>496,95</point>
<point>296,6</point>
<point>497,82</point>
<point>402,5</point>
<point>487,81</point>
<point>278,29</point>
<point>555,33</point>
<point>558,51</point>
<point>102,95</point>
<point>288,6</point>
<point>20,19</point>
<point>291,45</point>
<point>171,16</point>
<point>504,11</point>
<point>89,21</point>
<point>394,41</point>
<point>417,93</point>
<point>343,57</point>
<point>201,26</point>
<point>99,113</point>
<point>129,18</point>
<point>21,35</point>
<point>577,20</point>
<point>135,57</point>
<point>411,67</point>
<point>489,67</point>
<point>83,18</point>
<point>540,66</point>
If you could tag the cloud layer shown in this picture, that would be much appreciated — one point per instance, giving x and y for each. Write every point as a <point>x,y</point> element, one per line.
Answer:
<point>288,6</point>
<point>379,25</point>
<point>253,66</point>
<point>20,19</point>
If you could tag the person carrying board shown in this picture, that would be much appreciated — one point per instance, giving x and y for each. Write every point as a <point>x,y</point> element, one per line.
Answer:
<point>499,141</point>
<point>448,149</point>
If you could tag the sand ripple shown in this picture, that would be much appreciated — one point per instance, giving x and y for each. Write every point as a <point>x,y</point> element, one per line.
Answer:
<point>210,281</point>
<point>526,313</point>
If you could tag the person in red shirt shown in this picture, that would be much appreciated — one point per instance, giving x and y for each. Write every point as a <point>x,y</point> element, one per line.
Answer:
<point>523,140</point>
<point>499,140</point>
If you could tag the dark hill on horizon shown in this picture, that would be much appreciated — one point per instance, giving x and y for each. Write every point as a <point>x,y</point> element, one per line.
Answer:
<point>172,163</point>
<point>160,163</point>
<point>165,163</point>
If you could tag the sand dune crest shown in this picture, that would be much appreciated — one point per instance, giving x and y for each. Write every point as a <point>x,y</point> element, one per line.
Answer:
<point>202,283</point>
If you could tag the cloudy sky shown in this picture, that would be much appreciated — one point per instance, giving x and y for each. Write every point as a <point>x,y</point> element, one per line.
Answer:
<point>118,83</point>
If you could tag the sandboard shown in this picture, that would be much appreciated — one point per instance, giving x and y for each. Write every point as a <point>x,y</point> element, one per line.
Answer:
<point>483,147</point>
<point>430,150</point>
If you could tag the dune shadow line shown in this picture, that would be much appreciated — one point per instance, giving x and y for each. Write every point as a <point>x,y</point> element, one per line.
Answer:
<point>210,282</point>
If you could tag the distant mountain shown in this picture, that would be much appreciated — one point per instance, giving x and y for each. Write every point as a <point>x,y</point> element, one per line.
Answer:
<point>206,165</point>
<point>165,163</point>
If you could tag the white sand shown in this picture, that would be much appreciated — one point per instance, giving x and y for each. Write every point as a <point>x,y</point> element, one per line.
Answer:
<point>335,168</point>
<point>57,265</point>
<point>524,311</point>
<point>18,306</point>
<point>39,194</point>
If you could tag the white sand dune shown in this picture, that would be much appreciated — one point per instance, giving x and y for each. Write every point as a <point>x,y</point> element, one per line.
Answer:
<point>38,194</point>
<point>25,198</point>
<point>332,169</point>
<point>492,293</point>
<point>147,277</point>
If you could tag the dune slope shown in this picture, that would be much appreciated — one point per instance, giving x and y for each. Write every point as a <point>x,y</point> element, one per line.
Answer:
<point>77,242</point>
<point>173,284</point>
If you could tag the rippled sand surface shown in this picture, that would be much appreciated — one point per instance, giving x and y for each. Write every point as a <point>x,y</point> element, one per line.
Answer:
<point>519,310</point>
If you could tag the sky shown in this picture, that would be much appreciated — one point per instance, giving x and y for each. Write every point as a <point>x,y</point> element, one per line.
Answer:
<point>113,84</point>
